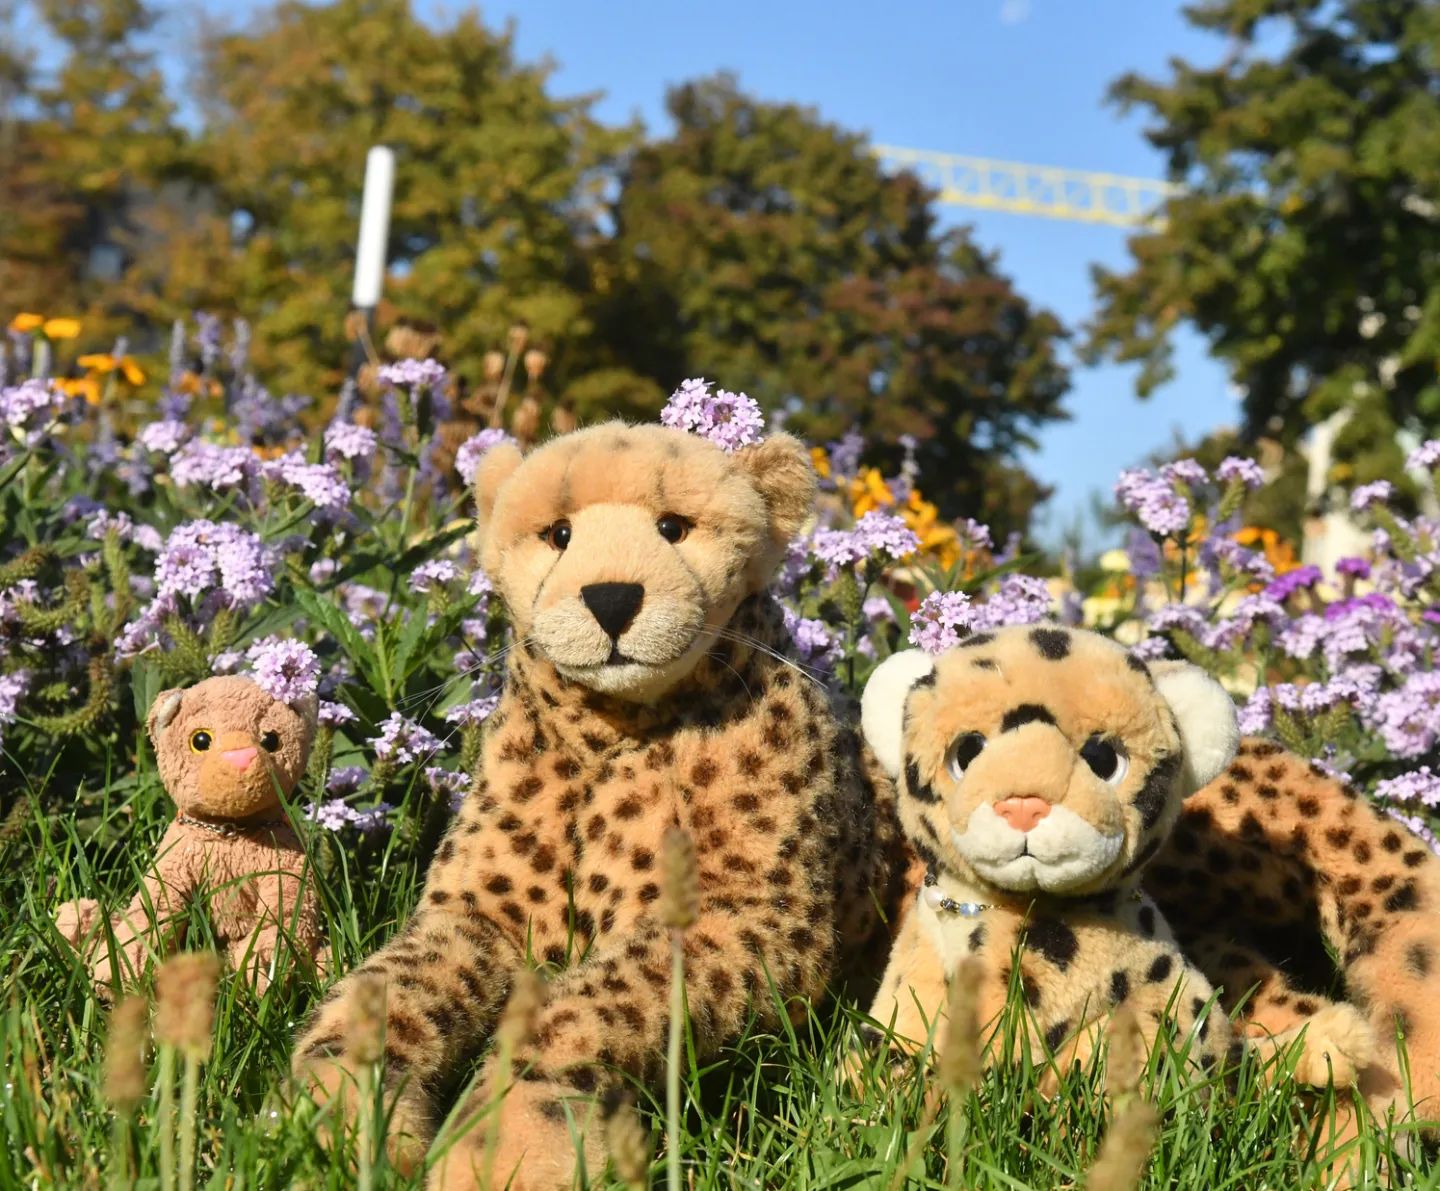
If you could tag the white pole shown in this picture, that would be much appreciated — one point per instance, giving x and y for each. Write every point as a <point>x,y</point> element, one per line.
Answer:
<point>374,228</point>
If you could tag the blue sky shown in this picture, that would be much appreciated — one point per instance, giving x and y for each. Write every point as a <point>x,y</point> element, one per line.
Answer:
<point>1012,79</point>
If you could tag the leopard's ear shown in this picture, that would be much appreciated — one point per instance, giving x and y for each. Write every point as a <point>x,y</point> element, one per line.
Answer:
<point>496,466</point>
<point>882,707</point>
<point>1205,715</point>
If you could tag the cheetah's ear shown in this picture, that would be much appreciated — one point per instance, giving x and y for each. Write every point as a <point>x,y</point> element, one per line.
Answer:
<point>882,707</point>
<point>496,466</point>
<point>1205,715</point>
<point>779,467</point>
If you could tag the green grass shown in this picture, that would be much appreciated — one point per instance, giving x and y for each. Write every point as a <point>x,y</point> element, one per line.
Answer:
<point>770,1112</point>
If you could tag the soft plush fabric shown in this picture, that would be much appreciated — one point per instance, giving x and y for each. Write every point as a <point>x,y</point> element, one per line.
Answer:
<point>650,688</point>
<point>1040,769</point>
<point>226,752</point>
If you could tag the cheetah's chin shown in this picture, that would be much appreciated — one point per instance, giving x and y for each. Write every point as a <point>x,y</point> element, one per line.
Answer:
<point>1061,854</point>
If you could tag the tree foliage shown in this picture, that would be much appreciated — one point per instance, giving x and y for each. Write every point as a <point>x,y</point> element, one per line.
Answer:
<point>1306,246</point>
<point>758,242</point>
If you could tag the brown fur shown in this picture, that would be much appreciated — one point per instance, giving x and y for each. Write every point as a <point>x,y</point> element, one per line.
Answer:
<point>253,877</point>
<point>555,853</point>
<point>1274,860</point>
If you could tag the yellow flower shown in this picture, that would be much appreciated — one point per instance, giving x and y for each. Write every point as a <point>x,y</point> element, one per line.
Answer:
<point>85,386</point>
<point>24,322</point>
<point>869,491</point>
<point>61,328</point>
<point>821,462</point>
<point>103,362</point>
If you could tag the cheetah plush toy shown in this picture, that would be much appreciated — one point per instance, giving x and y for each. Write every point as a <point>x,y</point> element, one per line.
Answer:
<point>1039,770</point>
<point>649,688</point>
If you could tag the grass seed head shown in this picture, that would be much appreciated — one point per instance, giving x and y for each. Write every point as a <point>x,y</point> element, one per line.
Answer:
<point>628,1144</point>
<point>960,1065</point>
<point>679,880</point>
<point>185,1002</point>
<point>366,1040</point>
<point>522,1010</point>
<point>1125,1152</point>
<point>125,1046</point>
<point>1125,1063</point>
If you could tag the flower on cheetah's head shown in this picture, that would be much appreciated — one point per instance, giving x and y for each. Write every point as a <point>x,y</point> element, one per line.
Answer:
<point>729,420</point>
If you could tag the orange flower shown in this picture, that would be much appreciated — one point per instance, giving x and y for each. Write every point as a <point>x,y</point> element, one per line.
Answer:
<point>103,362</point>
<point>24,322</point>
<point>85,386</point>
<point>869,491</point>
<point>821,462</point>
<point>61,328</point>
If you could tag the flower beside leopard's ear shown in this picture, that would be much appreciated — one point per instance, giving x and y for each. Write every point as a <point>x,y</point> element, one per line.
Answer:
<point>496,466</point>
<point>163,711</point>
<point>1205,715</point>
<point>882,707</point>
<point>779,466</point>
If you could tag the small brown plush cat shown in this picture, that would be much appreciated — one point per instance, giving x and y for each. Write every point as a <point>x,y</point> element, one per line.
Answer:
<point>226,751</point>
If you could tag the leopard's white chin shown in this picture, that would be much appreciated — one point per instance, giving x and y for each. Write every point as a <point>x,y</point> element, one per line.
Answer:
<point>1060,854</point>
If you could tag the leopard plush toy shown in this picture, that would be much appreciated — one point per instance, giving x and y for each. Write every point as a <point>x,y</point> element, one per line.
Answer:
<point>649,687</point>
<point>1039,770</point>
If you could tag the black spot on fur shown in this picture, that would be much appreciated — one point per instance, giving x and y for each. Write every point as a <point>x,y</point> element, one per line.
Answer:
<point>1147,921</point>
<point>1137,665</point>
<point>1053,644</point>
<point>1160,969</point>
<point>977,639</point>
<point>1403,898</point>
<point>925,680</point>
<point>1054,940</point>
<point>1119,986</point>
<point>1026,713</point>
<point>1055,1035</point>
<point>918,790</point>
<point>1143,856</point>
<point>1159,785</point>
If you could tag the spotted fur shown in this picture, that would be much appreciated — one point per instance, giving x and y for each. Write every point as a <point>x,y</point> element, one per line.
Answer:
<point>555,853</point>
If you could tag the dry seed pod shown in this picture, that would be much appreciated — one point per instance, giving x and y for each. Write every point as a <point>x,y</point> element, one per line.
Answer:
<point>517,337</point>
<point>679,880</point>
<point>494,365</point>
<point>629,1146</point>
<point>522,1010</point>
<point>535,361</point>
<point>125,1047</point>
<point>525,421</point>
<point>1126,1058</point>
<point>563,419</point>
<point>185,1002</point>
<point>1125,1152</point>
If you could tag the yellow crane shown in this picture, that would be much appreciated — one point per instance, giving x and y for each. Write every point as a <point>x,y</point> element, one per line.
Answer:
<point>1034,189</point>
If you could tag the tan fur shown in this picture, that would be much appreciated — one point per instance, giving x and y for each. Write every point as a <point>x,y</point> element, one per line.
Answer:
<point>253,880</point>
<point>555,853</point>
<point>1273,861</point>
<point>1086,942</point>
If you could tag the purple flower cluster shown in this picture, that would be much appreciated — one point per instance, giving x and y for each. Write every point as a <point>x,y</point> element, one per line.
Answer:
<point>729,420</point>
<point>285,670</point>
<point>402,741</point>
<point>1154,500</point>
<point>30,409</point>
<point>474,712</point>
<point>1421,785</point>
<point>940,622</point>
<point>467,458</point>
<point>1245,471</point>
<point>164,437</point>
<point>319,483</point>
<point>202,464</point>
<point>876,534</point>
<point>429,575</point>
<point>413,374</point>
<point>336,814</point>
<point>1020,599</point>
<point>346,440</point>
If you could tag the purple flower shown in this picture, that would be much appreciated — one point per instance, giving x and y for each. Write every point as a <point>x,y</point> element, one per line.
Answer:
<point>1369,494</point>
<point>1154,501</point>
<point>479,583</point>
<point>476,711</point>
<point>1416,826</point>
<point>1408,719</point>
<point>319,483</point>
<point>845,455</point>
<point>1357,567</point>
<point>1144,553</point>
<point>467,458</point>
<point>165,437</point>
<point>337,814</point>
<point>877,532</point>
<point>285,670</point>
<point>205,465</point>
<point>1254,718</point>
<point>12,690</point>
<point>30,409</point>
<point>1185,471</point>
<point>975,535</point>
<point>403,741</point>
<point>729,420</point>
<point>346,779</point>
<point>447,783</point>
<point>1020,599</point>
<point>345,440</point>
<point>1425,457</point>
<point>412,374</point>
<point>941,621</point>
<point>201,556</point>
<point>1247,471</point>
<point>103,522</point>
<point>1420,785</point>
<point>877,608</point>
<point>335,714</point>
<point>1288,584</point>
<point>430,575</point>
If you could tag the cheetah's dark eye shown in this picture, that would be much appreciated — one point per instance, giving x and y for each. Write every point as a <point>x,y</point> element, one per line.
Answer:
<point>1106,762</point>
<point>963,752</point>
<point>270,742</point>
<point>199,741</point>
<point>556,536</point>
<point>674,529</point>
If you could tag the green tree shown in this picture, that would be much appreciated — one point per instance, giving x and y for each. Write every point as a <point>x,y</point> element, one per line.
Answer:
<point>79,150</point>
<point>765,249</point>
<point>1306,245</point>
<point>496,181</point>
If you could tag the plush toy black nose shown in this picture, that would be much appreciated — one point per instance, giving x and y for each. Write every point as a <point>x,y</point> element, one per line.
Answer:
<point>613,605</point>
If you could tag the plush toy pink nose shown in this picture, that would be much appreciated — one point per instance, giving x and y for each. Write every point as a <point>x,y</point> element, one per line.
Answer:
<point>1022,813</point>
<point>240,758</point>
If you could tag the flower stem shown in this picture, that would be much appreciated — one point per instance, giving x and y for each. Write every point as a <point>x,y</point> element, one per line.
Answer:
<point>166,1116</point>
<point>672,1059</point>
<point>189,1106</point>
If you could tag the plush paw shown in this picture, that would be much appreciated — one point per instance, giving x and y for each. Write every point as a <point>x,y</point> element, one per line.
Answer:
<point>77,920</point>
<point>1338,1043</point>
<point>544,1130</point>
<point>331,1083</point>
